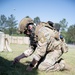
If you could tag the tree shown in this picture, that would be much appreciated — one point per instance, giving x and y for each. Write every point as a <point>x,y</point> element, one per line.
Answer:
<point>27,17</point>
<point>37,20</point>
<point>63,24</point>
<point>3,23</point>
<point>71,34</point>
<point>63,27</point>
<point>12,25</point>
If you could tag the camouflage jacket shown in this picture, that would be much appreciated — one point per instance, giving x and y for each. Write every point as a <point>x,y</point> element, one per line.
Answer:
<point>48,39</point>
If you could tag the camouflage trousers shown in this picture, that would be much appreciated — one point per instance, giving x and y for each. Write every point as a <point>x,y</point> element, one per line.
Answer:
<point>52,62</point>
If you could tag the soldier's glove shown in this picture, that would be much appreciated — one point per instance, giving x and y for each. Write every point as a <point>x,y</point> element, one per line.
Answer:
<point>32,64</point>
<point>29,68</point>
<point>16,60</point>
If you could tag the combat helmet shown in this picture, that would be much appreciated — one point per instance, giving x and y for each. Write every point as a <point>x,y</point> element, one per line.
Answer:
<point>23,24</point>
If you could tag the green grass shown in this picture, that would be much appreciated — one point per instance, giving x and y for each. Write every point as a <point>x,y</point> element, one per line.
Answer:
<point>6,59</point>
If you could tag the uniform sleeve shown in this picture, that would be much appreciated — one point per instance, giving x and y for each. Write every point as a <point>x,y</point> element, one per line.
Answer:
<point>28,52</point>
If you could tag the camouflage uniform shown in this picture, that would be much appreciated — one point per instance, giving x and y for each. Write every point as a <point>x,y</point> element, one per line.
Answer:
<point>45,42</point>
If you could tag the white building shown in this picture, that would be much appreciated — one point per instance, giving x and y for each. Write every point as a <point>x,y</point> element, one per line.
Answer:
<point>4,42</point>
<point>1,41</point>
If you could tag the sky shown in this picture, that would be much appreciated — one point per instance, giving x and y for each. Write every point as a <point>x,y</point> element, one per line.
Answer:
<point>46,10</point>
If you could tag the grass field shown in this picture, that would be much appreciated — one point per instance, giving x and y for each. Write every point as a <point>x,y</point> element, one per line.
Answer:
<point>6,59</point>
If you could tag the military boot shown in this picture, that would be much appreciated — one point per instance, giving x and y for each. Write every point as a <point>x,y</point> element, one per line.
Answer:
<point>60,65</point>
<point>63,65</point>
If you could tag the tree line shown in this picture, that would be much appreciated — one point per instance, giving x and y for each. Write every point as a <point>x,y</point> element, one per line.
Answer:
<point>8,25</point>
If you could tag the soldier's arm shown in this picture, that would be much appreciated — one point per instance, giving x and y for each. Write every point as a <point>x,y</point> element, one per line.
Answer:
<point>28,52</point>
<point>25,54</point>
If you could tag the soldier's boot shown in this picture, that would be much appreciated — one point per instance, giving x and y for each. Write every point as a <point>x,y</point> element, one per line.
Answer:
<point>17,59</point>
<point>63,66</point>
<point>59,66</point>
<point>53,68</point>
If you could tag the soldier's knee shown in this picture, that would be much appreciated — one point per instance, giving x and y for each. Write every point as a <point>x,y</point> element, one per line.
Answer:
<point>42,66</point>
<point>63,65</point>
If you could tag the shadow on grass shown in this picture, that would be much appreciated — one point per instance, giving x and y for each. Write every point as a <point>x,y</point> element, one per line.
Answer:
<point>18,69</point>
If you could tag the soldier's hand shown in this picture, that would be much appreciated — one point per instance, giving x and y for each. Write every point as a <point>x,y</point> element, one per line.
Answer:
<point>29,68</point>
<point>16,60</point>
